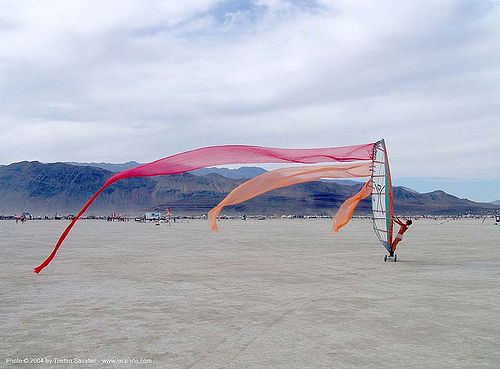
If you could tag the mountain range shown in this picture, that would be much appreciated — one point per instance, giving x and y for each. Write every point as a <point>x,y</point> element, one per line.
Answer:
<point>64,188</point>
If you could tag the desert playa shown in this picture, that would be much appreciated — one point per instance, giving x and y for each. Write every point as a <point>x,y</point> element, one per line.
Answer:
<point>279,293</point>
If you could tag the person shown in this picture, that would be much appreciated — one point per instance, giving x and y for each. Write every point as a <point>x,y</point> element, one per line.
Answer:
<point>403,227</point>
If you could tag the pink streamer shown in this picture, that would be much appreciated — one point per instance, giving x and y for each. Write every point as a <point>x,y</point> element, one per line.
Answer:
<point>221,155</point>
<point>344,214</point>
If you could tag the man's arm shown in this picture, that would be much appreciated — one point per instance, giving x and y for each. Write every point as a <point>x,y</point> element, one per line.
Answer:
<point>398,221</point>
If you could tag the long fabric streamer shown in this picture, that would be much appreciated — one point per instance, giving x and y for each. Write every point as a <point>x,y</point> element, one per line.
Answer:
<point>221,155</point>
<point>346,210</point>
<point>284,177</point>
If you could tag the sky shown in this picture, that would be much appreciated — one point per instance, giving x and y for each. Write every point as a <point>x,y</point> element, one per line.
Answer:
<point>113,81</point>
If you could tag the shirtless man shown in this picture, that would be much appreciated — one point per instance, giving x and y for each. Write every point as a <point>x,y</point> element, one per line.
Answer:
<point>402,229</point>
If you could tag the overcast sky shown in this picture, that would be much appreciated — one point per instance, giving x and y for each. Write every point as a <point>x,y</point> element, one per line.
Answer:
<point>131,80</point>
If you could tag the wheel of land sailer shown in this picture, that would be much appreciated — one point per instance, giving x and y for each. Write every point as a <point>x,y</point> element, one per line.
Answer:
<point>395,258</point>
<point>385,258</point>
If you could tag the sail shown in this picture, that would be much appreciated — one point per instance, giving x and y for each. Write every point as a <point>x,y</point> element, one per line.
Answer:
<point>382,206</point>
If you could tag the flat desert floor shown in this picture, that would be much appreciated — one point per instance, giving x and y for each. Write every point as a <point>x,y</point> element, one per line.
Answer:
<point>257,294</point>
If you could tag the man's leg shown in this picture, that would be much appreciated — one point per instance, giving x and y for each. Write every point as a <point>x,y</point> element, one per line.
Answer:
<point>395,244</point>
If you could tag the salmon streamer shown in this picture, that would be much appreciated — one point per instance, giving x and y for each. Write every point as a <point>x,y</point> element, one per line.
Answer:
<point>284,177</point>
<point>344,214</point>
<point>221,155</point>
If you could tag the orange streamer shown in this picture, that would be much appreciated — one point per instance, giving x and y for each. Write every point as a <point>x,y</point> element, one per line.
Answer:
<point>345,211</point>
<point>282,178</point>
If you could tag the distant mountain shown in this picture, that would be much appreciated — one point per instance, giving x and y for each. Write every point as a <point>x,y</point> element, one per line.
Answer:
<point>497,202</point>
<point>409,189</point>
<point>63,188</point>
<point>112,167</point>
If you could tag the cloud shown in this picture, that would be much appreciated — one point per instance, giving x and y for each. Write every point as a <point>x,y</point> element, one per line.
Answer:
<point>119,81</point>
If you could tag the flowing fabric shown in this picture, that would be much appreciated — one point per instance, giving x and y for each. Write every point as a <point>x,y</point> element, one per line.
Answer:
<point>282,178</point>
<point>221,155</point>
<point>345,211</point>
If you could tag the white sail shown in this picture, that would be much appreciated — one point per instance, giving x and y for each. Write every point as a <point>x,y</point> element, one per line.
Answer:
<point>382,206</point>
